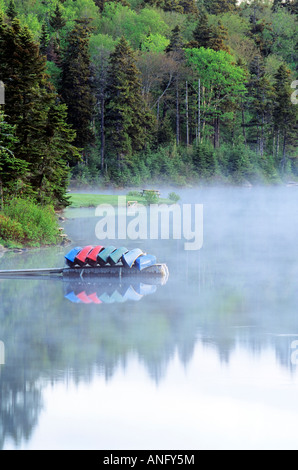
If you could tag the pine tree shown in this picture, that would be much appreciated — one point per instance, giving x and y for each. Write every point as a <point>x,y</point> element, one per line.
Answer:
<point>259,103</point>
<point>76,83</point>
<point>202,32</point>
<point>176,41</point>
<point>12,10</point>
<point>101,3</point>
<point>284,113</point>
<point>12,169</point>
<point>210,37</point>
<point>30,99</point>
<point>44,40</point>
<point>218,36</point>
<point>217,7</point>
<point>189,7</point>
<point>173,5</point>
<point>129,124</point>
<point>57,21</point>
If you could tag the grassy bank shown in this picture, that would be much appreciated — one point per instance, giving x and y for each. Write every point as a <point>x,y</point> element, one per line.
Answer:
<point>24,223</point>
<point>78,200</point>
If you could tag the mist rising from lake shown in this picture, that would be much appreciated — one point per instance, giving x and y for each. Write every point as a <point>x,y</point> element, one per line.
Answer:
<point>205,361</point>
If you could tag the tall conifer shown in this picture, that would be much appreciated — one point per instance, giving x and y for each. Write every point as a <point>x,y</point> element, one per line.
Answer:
<point>129,123</point>
<point>76,82</point>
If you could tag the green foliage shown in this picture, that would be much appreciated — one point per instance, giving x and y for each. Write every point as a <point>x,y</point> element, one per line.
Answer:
<point>130,123</point>
<point>174,197</point>
<point>27,222</point>
<point>76,87</point>
<point>151,197</point>
<point>10,229</point>
<point>205,161</point>
<point>43,140</point>
<point>242,53</point>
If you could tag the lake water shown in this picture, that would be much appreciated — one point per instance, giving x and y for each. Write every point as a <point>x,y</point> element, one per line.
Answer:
<point>207,361</point>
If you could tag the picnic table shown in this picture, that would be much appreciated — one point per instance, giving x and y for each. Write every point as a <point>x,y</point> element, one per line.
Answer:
<point>146,191</point>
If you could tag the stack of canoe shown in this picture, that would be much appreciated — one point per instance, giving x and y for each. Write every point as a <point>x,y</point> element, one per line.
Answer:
<point>81,293</point>
<point>96,256</point>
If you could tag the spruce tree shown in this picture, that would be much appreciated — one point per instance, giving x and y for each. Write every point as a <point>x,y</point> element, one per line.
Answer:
<point>44,40</point>
<point>176,41</point>
<point>57,21</point>
<point>202,32</point>
<point>29,105</point>
<point>259,103</point>
<point>210,37</point>
<point>12,10</point>
<point>129,124</point>
<point>12,169</point>
<point>284,113</point>
<point>217,7</point>
<point>76,83</point>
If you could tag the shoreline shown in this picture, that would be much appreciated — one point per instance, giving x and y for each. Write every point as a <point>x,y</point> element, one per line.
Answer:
<point>86,199</point>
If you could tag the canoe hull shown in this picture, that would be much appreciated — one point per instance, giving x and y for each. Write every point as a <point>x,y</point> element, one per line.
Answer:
<point>116,256</point>
<point>129,258</point>
<point>144,262</point>
<point>103,257</point>
<point>71,256</point>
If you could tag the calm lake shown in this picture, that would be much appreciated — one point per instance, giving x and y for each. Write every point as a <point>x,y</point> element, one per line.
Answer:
<point>208,360</point>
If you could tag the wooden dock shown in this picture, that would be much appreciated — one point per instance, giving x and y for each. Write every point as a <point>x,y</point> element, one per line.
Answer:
<point>118,271</point>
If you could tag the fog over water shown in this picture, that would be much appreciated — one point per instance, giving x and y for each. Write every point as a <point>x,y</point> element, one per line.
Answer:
<point>207,361</point>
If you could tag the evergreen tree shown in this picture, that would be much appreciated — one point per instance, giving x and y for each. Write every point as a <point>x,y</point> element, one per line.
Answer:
<point>173,5</point>
<point>44,40</point>
<point>76,83</point>
<point>101,3</point>
<point>259,103</point>
<point>218,36</point>
<point>29,105</point>
<point>12,10</point>
<point>284,113</point>
<point>189,7</point>
<point>129,124</point>
<point>217,7</point>
<point>12,169</point>
<point>202,32</point>
<point>176,41</point>
<point>210,37</point>
<point>57,21</point>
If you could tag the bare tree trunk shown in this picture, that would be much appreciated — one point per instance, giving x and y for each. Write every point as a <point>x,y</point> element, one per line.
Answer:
<point>262,137</point>
<point>199,112</point>
<point>1,196</point>
<point>216,132</point>
<point>187,116</point>
<point>243,124</point>
<point>102,135</point>
<point>284,158</point>
<point>277,144</point>
<point>177,114</point>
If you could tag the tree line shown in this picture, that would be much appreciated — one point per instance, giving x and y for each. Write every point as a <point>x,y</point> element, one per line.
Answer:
<point>128,92</point>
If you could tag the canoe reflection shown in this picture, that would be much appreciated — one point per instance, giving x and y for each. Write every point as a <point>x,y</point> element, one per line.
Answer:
<point>108,292</point>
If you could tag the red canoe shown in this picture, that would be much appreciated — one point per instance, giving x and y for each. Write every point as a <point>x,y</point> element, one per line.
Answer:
<point>81,258</point>
<point>92,256</point>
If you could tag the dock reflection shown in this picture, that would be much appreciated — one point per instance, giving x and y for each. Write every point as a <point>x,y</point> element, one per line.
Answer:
<point>109,291</point>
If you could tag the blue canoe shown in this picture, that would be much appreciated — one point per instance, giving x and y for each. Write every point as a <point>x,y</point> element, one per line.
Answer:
<point>130,257</point>
<point>145,261</point>
<point>71,256</point>
<point>116,256</point>
<point>103,257</point>
<point>145,289</point>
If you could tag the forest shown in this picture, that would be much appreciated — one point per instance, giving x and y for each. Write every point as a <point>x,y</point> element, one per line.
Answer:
<point>129,93</point>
